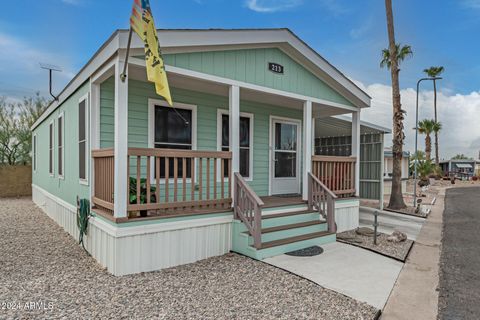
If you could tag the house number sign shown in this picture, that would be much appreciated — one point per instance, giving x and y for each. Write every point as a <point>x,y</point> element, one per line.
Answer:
<point>275,67</point>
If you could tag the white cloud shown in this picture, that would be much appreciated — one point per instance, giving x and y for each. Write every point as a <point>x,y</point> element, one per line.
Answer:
<point>459,115</point>
<point>268,6</point>
<point>474,4</point>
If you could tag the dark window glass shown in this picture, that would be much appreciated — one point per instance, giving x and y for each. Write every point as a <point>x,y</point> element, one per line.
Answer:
<point>285,136</point>
<point>60,146</point>
<point>50,149</point>
<point>34,153</point>
<point>82,140</point>
<point>285,164</point>
<point>244,144</point>
<point>173,130</point>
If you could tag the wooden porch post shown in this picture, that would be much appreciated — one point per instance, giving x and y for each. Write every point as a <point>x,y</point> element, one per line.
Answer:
<point>120,142</point>
<point>356,148</point>
<point>234,128</point>
<point>307,144</point>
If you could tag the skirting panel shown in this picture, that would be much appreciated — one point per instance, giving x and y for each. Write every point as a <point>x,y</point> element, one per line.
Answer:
<point>134,249</point>
<point>347,214</point>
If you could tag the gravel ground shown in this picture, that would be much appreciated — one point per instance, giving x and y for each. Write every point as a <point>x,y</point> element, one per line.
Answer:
<point>397,250</point>
<point>41,263</point>
<point>459,277</point>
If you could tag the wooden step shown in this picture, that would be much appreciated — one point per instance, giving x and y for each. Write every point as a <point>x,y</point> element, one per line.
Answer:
<point>302,237</point>
<point>290,226</point>
<point>286,214</point>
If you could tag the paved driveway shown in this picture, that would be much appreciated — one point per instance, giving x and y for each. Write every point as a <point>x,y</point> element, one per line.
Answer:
<point>355,272</point>
<point>460,260</point>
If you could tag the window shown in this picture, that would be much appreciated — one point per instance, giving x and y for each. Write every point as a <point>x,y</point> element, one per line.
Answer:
<point>50,148</point>
<point>34,156</point>
<point>60,145</point>
<point>246,136</point>
<point>173,129</point>
<point>82,140</point>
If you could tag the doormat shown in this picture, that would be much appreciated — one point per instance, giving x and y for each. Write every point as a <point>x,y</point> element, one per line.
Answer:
<point>307,252</point>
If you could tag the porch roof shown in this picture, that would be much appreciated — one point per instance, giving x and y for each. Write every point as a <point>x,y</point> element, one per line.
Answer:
<point>342,126</point>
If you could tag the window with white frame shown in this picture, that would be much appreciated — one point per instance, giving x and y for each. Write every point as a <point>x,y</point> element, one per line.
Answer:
<point>60,132</point>
<point>34,151</point>
<point>50,148</point>
<point>173,129</point>
<point>246,141</point>
<point>82,139</point>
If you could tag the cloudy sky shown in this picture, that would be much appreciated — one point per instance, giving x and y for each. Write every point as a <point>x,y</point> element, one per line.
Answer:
<point>348,33</point>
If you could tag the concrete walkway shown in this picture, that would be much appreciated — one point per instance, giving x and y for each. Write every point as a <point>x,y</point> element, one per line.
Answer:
<point>355,272</point>
<point>390,221</point>
<point>415,294</point>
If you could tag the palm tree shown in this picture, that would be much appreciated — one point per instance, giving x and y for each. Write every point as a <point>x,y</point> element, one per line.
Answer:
<point>427,127</point>
<point>396,53</point>
<point>433,72</point>
<point>403,52</point>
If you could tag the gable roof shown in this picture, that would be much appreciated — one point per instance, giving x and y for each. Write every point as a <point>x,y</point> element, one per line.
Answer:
<point>190,40</point>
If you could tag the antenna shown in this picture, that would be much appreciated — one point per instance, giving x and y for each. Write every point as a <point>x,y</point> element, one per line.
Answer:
<point>50,68</point>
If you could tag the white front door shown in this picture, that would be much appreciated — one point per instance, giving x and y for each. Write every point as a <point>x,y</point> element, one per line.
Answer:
<point>285,145</point>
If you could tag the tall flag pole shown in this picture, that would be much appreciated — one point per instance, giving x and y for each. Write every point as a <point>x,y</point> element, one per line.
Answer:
<point>141,21</point>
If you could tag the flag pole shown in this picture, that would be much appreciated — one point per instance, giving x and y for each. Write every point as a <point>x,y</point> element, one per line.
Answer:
<point>123,76</point>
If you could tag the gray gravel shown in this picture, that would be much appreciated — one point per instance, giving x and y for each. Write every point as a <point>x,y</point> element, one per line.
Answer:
<point>396,250</point>
<point>459,285</point>
<point>41,263</point>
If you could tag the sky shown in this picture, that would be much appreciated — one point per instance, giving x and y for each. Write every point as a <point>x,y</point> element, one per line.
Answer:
<point>348,33</point>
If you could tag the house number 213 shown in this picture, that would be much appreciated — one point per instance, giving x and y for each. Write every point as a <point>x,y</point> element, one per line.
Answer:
<point>275,67</point>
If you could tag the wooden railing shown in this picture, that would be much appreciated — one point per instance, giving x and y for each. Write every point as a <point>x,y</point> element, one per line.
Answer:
<point>103,180</point>
<point>166,181</point>
<point>322,199</point>
<point>248,208</point>
<point>336,173</point>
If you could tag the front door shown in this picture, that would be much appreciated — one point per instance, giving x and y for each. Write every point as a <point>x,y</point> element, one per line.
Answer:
<point>285,145</point>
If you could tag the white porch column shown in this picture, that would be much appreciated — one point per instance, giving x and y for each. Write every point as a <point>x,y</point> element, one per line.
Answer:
<point>234,127</point>
<point>121,142</point>
<point>307,143</point>
<point>356,148</point>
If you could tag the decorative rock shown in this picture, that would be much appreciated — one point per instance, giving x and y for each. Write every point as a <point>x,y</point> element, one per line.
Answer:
<point>397,236</point>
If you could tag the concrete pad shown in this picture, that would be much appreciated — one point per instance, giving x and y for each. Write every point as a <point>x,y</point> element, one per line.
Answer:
<point>355,272</point>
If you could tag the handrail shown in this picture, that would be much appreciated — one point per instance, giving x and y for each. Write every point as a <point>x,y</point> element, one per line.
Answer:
<point>156,152</point>
<point>322,199</point>
<point>248,208</point>
<point>334,158</point>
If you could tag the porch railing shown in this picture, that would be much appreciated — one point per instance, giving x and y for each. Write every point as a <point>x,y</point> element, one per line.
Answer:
<point>336,173</point>
<point>248,208</point>
<point>103,180</point>
<point>166,181</point>
<point>321,198</point>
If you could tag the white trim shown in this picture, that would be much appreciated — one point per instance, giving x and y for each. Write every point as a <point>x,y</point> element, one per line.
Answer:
<point>61,176</point>
<point>356,148</point>
<point>34,152</point>
<point>151,131</point>
<point>220,113</point>
<point>51,152</point>
<point>271,147</point>
<point>87,147</point>
<point>307,142</point>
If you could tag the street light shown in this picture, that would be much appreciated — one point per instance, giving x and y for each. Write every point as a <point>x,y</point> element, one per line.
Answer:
<point>416,139</point>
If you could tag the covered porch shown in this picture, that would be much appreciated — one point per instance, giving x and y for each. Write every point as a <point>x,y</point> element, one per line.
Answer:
<point>265,135</point>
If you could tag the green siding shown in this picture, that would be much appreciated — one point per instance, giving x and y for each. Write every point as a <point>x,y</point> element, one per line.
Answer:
<point>68,188</point>
<point>251,66</point>
<point>207,104</point>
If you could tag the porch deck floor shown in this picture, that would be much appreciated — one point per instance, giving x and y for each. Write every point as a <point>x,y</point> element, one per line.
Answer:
<point>278,201</point>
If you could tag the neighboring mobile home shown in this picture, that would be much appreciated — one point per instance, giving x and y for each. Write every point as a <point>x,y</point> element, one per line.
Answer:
<point>249,106</point>
<point>388,169</point>
<point>459,168</point>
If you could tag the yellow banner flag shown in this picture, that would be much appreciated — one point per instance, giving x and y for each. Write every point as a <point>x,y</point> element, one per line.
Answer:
<point>141,21</point>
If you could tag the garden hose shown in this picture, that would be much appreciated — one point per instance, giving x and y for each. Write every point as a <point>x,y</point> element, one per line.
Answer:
<point>83,214</point>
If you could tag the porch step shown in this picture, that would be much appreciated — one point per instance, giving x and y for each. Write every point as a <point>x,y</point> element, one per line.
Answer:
<point>292,226</point>
<point>283,231</point>
<point>308,236</point>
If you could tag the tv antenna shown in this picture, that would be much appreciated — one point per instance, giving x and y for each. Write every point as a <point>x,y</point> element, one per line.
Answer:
<point>50,68</point>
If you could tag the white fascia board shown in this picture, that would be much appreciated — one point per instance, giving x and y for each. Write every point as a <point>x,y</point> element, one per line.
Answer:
<point>108,49</point>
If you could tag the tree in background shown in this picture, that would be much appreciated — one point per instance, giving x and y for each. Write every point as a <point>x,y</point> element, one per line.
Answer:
<point>461,156</point>
<point>391,60</point>
<point>15,122</point>
<point>433,72</point>
<point>427,127</point>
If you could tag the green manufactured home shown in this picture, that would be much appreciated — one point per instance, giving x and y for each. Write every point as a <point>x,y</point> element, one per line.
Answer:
<point>236,164</point>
